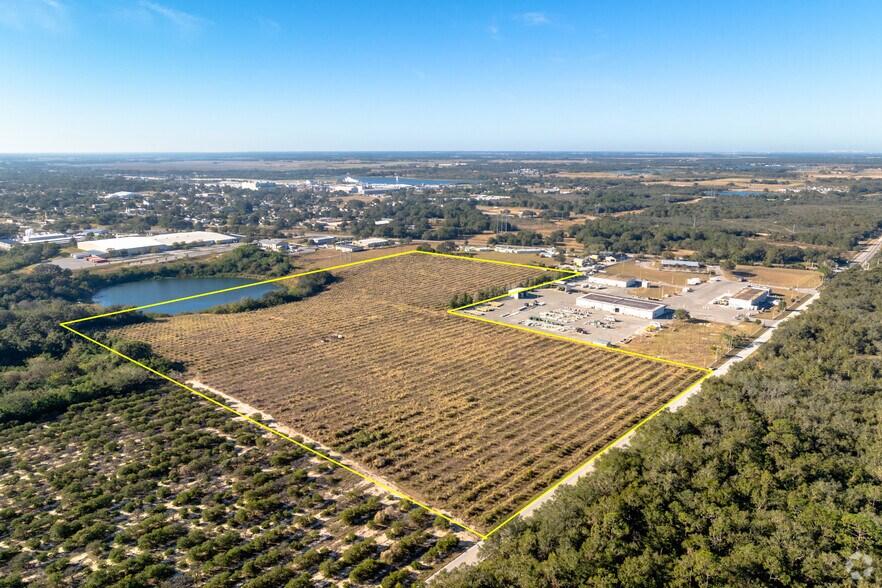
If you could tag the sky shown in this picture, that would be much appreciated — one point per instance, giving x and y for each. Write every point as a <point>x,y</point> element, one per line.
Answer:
<point>311,75</point>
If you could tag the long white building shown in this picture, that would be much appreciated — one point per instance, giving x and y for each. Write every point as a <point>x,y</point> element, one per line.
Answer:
<point>622,305</point>
<point>166,241</point>
<point>613,280</point>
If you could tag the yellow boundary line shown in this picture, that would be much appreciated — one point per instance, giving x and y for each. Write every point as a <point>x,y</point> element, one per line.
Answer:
<point>594,457</point>
<point>271,430</point>
<point>455,312</point>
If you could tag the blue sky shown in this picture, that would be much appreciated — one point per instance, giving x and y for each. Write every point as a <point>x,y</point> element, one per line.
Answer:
<point>145,75</point>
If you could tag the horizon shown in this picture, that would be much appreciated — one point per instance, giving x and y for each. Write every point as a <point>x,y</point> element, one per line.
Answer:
<point>139,76</point>
<point>640,152</point>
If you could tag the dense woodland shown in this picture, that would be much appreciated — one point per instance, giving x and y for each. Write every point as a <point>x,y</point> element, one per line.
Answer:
<point>772,476</point>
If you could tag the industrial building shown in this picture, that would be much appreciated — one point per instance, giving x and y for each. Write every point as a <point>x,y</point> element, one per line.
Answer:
<point>348,247</point>
<point>613,280</point>
<point>323,240</point>
<point>31,237</point>
<point>273,245</point>
<point>750,298</point>
<point>680,264</point>
<point>132,245</point>
<point>525,250</point>
<point>372,243</point>
<point>622,305</point>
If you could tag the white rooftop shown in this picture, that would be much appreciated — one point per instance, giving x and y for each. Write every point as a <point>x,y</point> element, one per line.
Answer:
<point>128,243</point>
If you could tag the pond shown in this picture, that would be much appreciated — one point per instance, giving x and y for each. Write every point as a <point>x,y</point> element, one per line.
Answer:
<point>152,291</point>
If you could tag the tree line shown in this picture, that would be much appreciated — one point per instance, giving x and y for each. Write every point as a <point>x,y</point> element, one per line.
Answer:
<point>771,476</point>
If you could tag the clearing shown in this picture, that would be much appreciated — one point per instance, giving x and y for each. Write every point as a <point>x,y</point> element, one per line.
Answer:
<point>695,342</point>
<point>779,276</point>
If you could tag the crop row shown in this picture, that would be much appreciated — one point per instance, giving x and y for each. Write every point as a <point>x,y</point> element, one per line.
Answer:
<point>469,417</point>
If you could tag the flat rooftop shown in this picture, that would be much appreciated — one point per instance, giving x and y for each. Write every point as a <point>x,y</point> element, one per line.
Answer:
<point>623,301</point>
<point>749,294</point>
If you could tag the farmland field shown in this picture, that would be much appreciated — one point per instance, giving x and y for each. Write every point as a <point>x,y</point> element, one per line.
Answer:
<point>470,418</point>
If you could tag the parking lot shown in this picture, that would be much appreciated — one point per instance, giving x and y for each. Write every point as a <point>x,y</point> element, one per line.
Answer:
<point>556,311</point>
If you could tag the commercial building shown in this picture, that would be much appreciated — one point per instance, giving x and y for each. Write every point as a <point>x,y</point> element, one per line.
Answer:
<point>525,250</point>
<point>750,298</point>
<point>622,305</point>
<point>680,264</point>
<point>132,245</point>
<point>322,240</point>
<point>191,237</point>
<point>613,280</point>
<point>348,247</point>
<point>273,245</point>
<point>30,238</point>
<point>372,243</point>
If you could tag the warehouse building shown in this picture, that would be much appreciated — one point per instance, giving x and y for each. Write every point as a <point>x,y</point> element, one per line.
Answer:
<point>750,298</point>
<point>323,240</point>
<point>622,305</point>
<point>348,247</point>
<point>273,245</point>
<point>133,245</point>
<point>373,243</point>
<point>680,264</point>
<point>613,280</point>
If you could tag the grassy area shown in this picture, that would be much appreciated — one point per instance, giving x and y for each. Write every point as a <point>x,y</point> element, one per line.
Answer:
<point>779,276</point>
<point>526,258</point>
<point>322,258</point>
<point>655,292</point>
<point>694,342</point>
<point>633,269</point>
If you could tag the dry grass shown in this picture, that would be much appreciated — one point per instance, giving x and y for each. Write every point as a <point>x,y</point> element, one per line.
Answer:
<point>655,292</point>
<point>779,276</point>
<point>528,258</point>
<point>471,418</point>
<point>324,258</point>
<point>689,342</point>
<point>633,269</point>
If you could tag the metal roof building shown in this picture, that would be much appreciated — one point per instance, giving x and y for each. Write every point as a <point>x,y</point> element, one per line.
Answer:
<point>166,241</point>
<point>749,298</point>
<point>613,280</point>
<point>680,263</point>
<point>623,305</point>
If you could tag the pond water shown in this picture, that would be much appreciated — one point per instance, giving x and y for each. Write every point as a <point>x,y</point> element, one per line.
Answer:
<point>152,291</point>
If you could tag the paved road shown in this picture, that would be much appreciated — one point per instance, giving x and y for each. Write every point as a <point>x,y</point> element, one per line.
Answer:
<point>867,254</point>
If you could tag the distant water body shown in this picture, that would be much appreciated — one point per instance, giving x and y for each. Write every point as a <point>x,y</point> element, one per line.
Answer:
<point>409,181</point>
<point>151,291</point>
